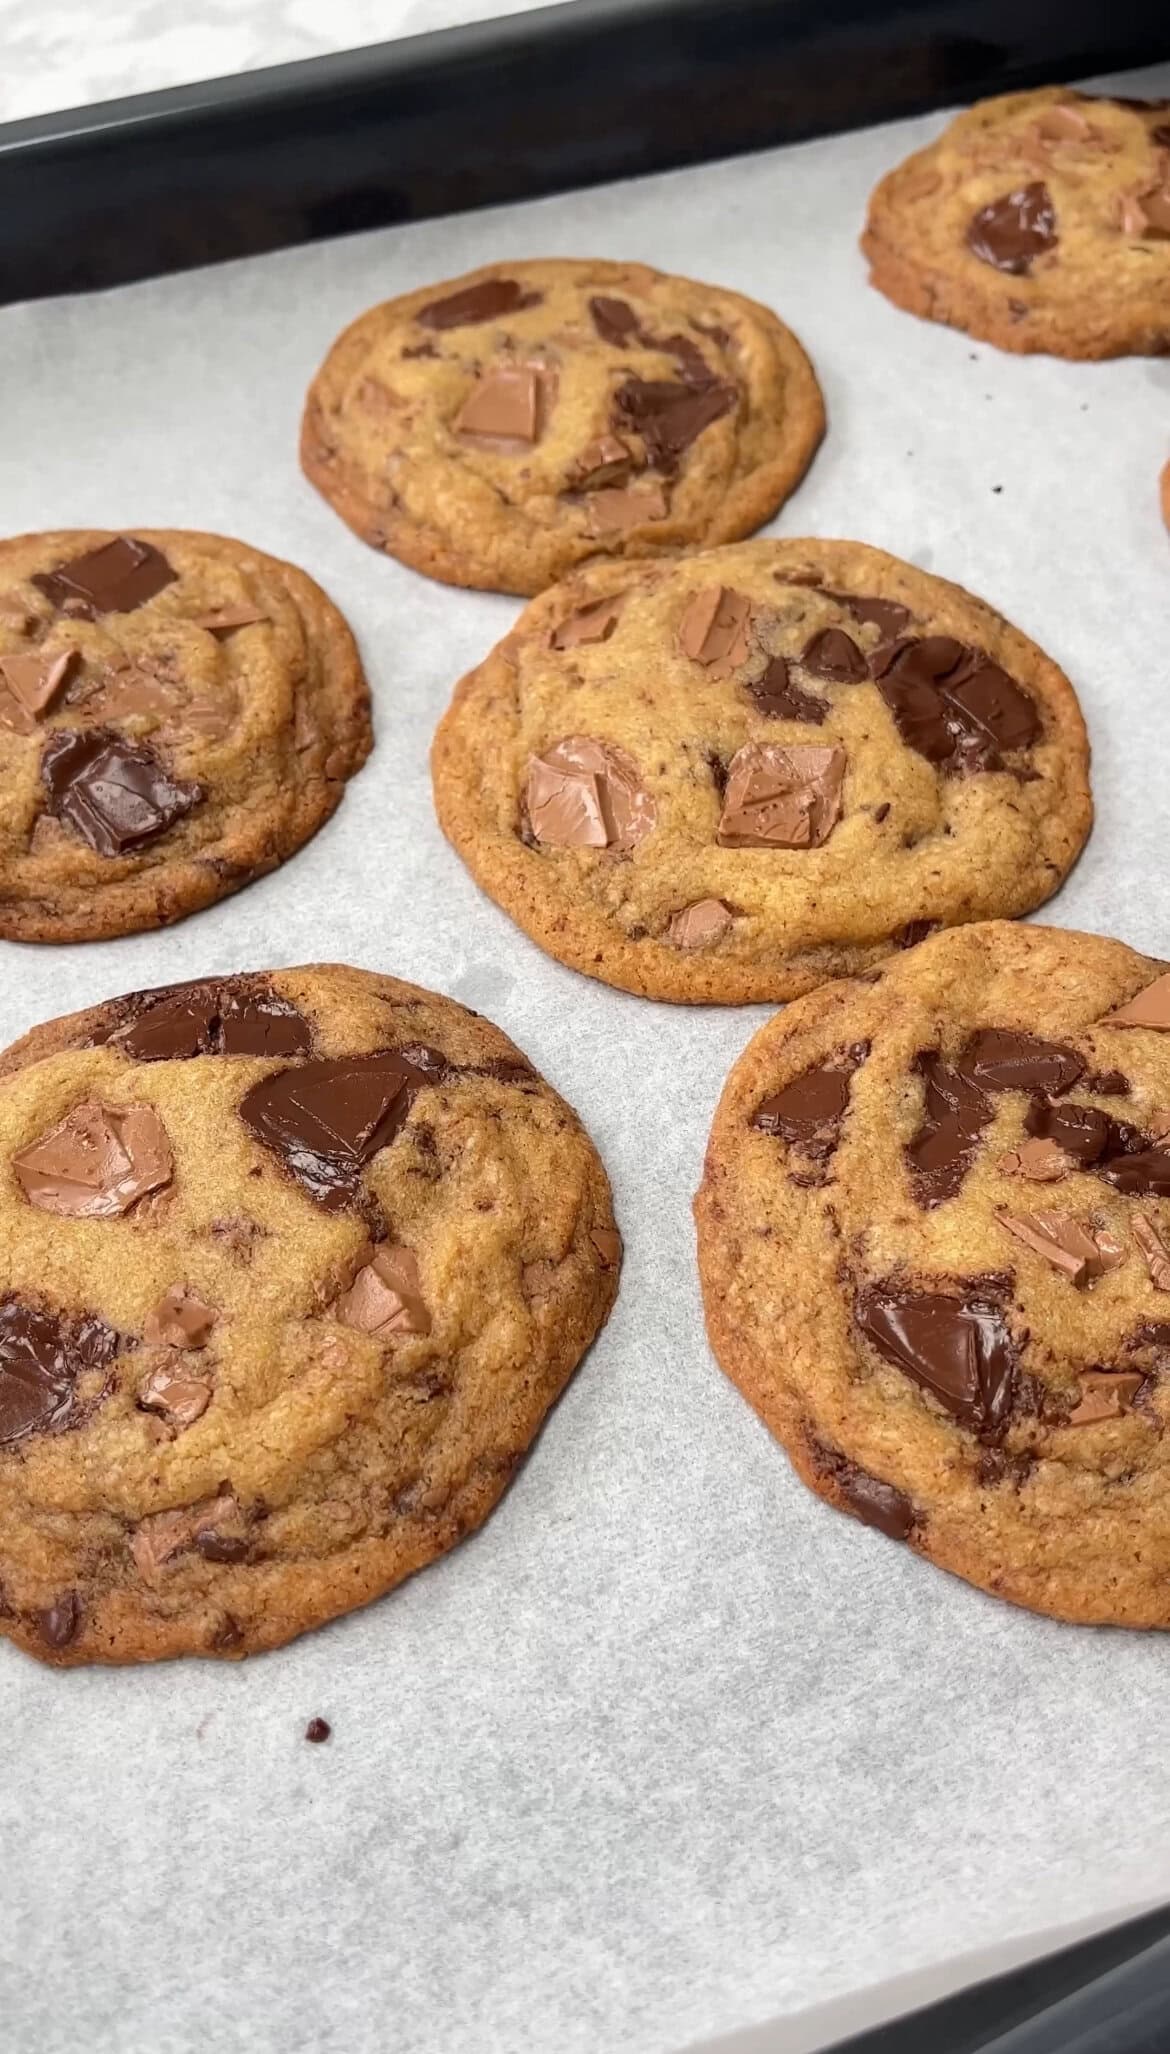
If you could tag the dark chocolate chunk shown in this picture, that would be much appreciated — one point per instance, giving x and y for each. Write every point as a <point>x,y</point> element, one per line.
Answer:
<point>1106,1083</point>
<point>117,578</point>
<point>221,1547</point>
<point>327,1119</point>
<point>1083,1131</point>
<point>1145,1175</point>
<point>483,302</point>
<point>615,321</point>
<point>318,1730</point>
<point>214,1019</point>
<point>953,705</point>
<point>886,615</point>
<point>779,699</point>
<point>669,415</point>
<point>957,1347</point>
<point>61,1623</point>
<point>835,656</point>
<point>1011,232</point>
<point>876,1503</point>
<point>1161,135</point>
<point>41,1358</point>
<point>115,794</point>
<point>809,1111</point>
<point>999,1059</point>
<point>988,700</point>
<point>955,1113</point>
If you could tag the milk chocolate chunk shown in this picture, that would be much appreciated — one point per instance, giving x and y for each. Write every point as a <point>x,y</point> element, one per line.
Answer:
<point>1013,231</point>
<point>1042,1162</point>
<point>873,1502</point>
<point>1104,1394</point>
<point>503,407</point>
<point>781,797</point>
<point>35,678</point>
<point>61,1623</point>
<point>700,926</point>
<point>1064,124</point>
<point>179,1320</point>
<point>1076,1248</point>
<point>1154,1250</point>
<point>835,656</point>
<point>617,509</point>
<point>715,628</point>
<point>584,794</point>
<point>1146,213</point>
<point>386,1296</point>
<point>176,1393</point>
<point>607,460</point>
<point>226,619</point>
<point>115,794</point>
<point>1080,1132</point>
<point>157,1539</point>
<point>955,1113</point>
<point>1149,1007</point>
<point>778,698</point>
<point>670,415</point>
<point>957,1347</point>
<point>42,1356</point>
<point>117,578</point>
<point>97,1162</point>
<point>483,302</point>
<point>215,1019</point>
<point>593,623</point>
<point>327,1119</point>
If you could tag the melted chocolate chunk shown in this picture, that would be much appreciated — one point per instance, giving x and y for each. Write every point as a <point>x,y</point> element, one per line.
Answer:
<point>779,699</point>
<point>835,656</point>
<point>61,1623</point>
<point>483,302</point>
<point>41,1358</point>
<point>999,1059</point>
<point>213,1020</point>
<point>615,321</point>
<point>115,794</point>
<point>327,1119</point>
<point>809,1111</point>
<point>669,415</point>
<point>953,705</point>
<point>1013,231</point>
<point>221,1547</point>
<point>1144,1175</point>
<point>1106,1083</point>
<point>959,1348</point>
<point>867,1497</point>
<point>117,578</point>
<point>955,1113</point>
<point>1083,1131</point>
<point>886,615</point>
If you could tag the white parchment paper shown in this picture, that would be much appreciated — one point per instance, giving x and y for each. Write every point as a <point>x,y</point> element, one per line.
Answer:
<point>670,1747</point>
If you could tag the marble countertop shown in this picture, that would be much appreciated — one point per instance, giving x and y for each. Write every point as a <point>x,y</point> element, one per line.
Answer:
<point>69,55</point>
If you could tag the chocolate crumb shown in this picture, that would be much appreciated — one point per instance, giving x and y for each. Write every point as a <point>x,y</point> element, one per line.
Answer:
<point>318,1730</point>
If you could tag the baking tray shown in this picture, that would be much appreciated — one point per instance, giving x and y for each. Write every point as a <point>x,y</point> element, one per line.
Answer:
<point>502,110</point>
<point>557,99</point>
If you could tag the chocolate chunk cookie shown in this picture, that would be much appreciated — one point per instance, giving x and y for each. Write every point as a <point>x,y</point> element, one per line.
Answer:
<point>1039,221</point>
<point>728,778</point>
<point>499,429</point>
<point>178,713</point>
<point>934,1239</point>
<point>293,1267</point>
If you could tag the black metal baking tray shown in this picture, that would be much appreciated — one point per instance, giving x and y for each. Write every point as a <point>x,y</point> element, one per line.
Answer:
<point>505,110</point>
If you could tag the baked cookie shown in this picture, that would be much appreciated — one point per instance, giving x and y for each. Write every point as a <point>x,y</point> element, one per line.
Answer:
<point>934,1239</point>
<point>1038,221</point>
<point>733,776</point>
<point>178,713</point>
<point>497,430</point>
<point>293,1267</point>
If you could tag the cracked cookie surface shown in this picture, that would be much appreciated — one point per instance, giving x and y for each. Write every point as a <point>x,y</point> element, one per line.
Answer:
<point>500,428</point>
<point>1037,221</point>
<point>293,1266</point>
<point>934,1242</point>
<point>728,778</point>
<point>178,714</point>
